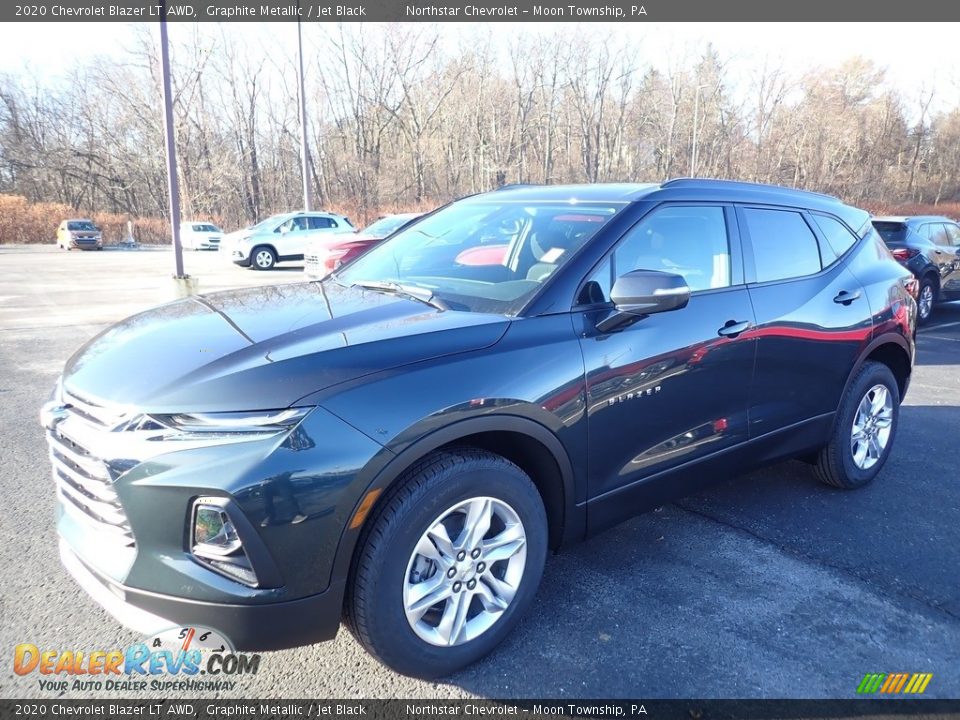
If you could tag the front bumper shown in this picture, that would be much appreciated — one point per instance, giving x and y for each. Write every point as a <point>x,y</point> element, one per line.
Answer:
<point>270,626</point>
<point>86,244</point>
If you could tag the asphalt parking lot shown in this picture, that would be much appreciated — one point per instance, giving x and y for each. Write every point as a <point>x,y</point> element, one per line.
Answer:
<point>769,585</point>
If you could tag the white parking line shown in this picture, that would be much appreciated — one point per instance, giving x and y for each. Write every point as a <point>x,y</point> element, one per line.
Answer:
<point>939,337</point>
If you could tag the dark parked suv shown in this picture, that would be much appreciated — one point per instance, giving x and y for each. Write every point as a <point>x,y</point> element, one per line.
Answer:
<point>929,246</point>
<point>402,443</point>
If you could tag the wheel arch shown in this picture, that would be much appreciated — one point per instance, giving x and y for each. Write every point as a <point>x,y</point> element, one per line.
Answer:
<point>892,350</point>
<point>269,246</point>
<point>528,444</point>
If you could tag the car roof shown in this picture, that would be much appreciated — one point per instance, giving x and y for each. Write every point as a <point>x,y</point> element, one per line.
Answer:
<point>689,189</point>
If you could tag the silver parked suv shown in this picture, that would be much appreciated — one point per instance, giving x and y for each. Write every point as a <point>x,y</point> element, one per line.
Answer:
<point>280,238</point>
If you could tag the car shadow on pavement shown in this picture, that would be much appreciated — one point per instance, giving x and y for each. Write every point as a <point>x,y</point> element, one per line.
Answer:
<point>739,590</point>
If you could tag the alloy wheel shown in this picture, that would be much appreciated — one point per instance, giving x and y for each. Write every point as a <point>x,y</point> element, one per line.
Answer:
<point>263,259</point>
<point>464,571</point>
<point>925,304</point>
<point>872,425</point>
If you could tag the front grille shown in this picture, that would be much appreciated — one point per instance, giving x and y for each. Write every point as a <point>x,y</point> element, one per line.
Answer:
<point>84,484</point>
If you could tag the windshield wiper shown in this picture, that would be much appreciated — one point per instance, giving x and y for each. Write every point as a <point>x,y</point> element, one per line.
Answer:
<point>413,292</point>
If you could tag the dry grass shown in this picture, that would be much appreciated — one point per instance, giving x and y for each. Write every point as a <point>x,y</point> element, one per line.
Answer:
<point>24,222</point>
<point>950,209</point>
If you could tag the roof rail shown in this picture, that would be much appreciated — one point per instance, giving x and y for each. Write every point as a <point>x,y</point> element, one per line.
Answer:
<point>513,186</point>
<point>712,182</point>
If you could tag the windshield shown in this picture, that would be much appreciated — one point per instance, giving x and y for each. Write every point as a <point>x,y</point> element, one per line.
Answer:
<point>206,228</point>
<point>484,254</point>
<point>81,225</point>
<point>268,223</point>
<point>384,226</point>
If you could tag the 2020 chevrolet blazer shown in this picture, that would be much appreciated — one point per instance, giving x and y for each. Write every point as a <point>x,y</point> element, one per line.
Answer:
<point>402,443</point>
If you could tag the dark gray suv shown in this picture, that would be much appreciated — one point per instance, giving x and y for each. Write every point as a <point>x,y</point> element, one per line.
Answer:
<point>402,443</point>
<point>928,246</point>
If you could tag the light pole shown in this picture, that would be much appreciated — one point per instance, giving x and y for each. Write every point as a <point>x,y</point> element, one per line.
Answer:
<point>696,115</point>
<point>173,184</point>
<point>304,149</point>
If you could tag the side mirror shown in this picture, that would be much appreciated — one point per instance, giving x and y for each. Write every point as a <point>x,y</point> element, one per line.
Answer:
<point>644,292</point>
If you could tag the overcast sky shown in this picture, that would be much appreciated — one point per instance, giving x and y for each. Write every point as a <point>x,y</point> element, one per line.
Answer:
<point>918,56</point>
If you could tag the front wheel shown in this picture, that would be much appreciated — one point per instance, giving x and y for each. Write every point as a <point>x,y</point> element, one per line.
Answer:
<point>262,258</point>
<point>864,430</point>
<point>449,564</point>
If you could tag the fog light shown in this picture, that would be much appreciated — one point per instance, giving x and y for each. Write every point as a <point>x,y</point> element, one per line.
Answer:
<point>214,542</point>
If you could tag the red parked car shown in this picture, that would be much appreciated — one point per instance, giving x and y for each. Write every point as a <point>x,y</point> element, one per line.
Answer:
<point>325,254</point>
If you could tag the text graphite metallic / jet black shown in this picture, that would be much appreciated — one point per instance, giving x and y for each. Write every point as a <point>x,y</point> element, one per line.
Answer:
<point>402,443</point>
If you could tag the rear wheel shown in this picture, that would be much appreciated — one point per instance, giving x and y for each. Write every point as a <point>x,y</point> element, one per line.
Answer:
<point>262,258</point>
<point>926,299</point>
<point>864,431</point>
<point>449,564</point>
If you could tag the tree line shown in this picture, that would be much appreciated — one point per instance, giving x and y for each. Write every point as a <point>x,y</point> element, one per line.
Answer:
<point>399,120</point>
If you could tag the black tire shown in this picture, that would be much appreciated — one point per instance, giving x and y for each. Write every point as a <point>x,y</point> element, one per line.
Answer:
<point>927,285</point>
<point>374,609</point>
<point>835,464</point>
<point>263,258</point>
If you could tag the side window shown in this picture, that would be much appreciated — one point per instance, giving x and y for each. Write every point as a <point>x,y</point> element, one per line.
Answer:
<point>928,231</point>
<point>686,240</point>
<point>938,234</point>
<point>321,223</point>
<point>783,244</point>
<point>838,236</point>
<point>953,232</point>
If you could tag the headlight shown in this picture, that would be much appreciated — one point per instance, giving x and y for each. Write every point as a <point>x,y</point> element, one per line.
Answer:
<point>234,426</point>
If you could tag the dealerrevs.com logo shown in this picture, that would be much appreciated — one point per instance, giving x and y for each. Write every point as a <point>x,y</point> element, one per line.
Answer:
<point>171,660</point>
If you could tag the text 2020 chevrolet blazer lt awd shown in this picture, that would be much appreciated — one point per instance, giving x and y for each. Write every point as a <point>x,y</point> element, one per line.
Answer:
<point>402,443</point>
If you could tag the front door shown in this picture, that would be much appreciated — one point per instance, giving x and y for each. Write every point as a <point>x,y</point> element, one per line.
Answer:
<point>671,388</point>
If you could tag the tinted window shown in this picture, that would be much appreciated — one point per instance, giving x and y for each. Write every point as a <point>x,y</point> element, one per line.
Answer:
<point>321,223</point>
<point>686,240</point>
<point>293,224</point>
<point>81,225</point>
<point>837,234</point>
<point>784,246</point>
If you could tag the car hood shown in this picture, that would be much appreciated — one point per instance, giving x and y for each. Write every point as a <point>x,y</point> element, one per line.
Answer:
<point>265,348</point>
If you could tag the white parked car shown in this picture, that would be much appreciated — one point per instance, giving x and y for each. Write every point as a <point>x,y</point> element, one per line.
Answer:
<point>280,238</point>
<point>195,235</point>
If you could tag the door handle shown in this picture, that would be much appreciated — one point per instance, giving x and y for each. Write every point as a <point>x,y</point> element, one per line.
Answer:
<point>732,328</point>
<point>845,298</point>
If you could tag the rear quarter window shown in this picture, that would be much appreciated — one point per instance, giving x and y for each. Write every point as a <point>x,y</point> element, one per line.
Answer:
<point>838,235</point>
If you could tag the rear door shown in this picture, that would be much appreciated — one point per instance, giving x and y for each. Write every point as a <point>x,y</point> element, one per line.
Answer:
<point>950,281</point>
<point>939,250</point>
<point>813,318</point>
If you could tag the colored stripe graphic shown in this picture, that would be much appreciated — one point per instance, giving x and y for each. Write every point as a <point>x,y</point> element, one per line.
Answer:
<point>894,683</point>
